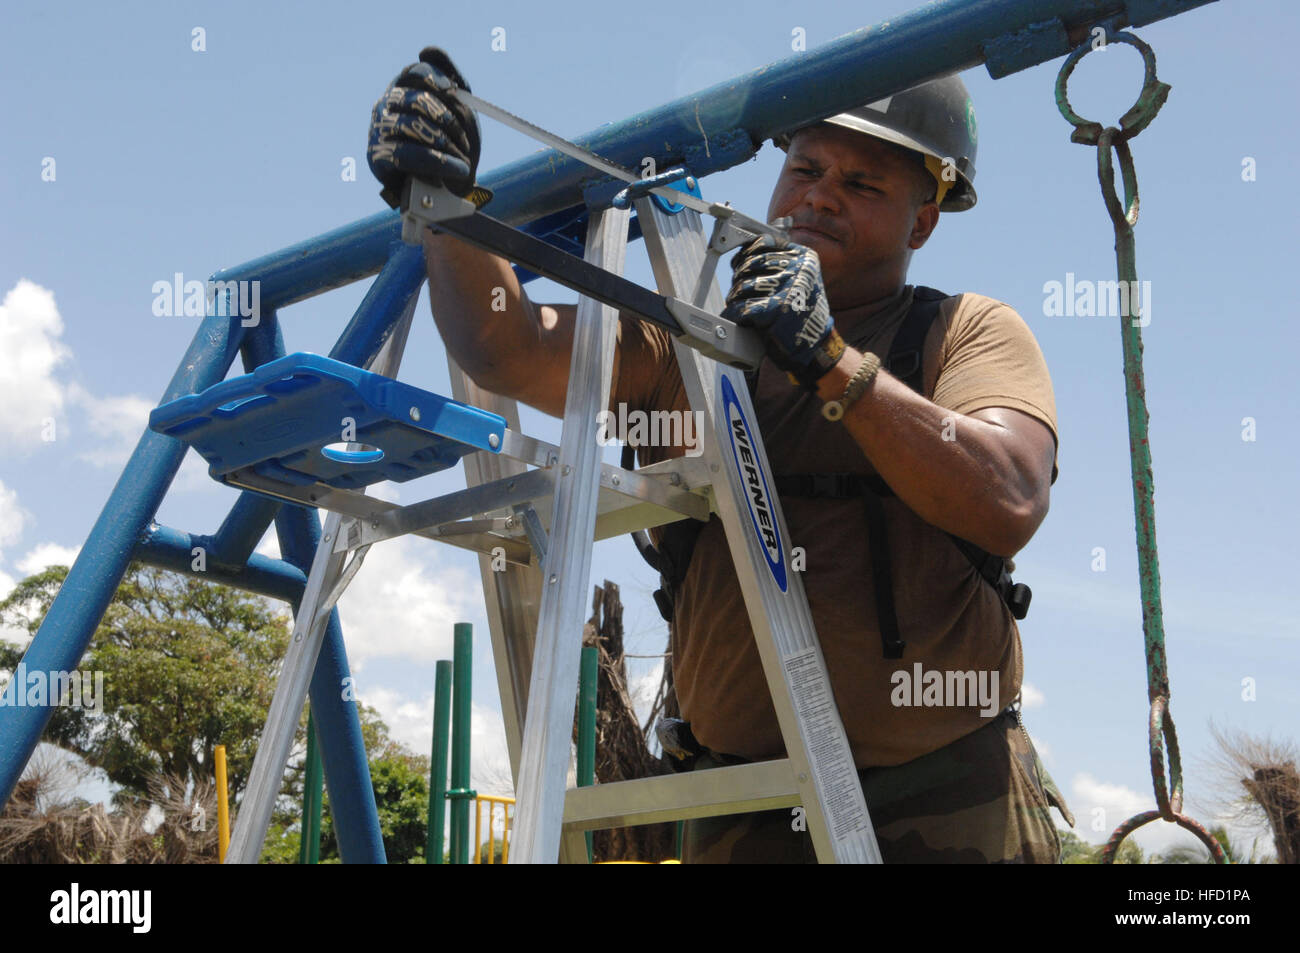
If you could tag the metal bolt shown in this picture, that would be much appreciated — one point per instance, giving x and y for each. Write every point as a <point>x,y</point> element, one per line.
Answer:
<point>415,413</point>
<point>803,778</point>
<point>690,181</point>
<point>721,332</point>
<point>510,485</point>
<point>675,479</point>
<point>552,579</point>
<point>614,479</point>
<point>494,441</point>
<point>426,201</point>
<point>374,524</point>
<point>564,470</point>
<point>325,538</point>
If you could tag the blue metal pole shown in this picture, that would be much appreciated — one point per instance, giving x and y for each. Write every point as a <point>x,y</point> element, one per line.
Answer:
<point>173,549</point>
<point>74,615</point>
<point>725,124</point>
<point>376,317</point>
<point>241,530</point>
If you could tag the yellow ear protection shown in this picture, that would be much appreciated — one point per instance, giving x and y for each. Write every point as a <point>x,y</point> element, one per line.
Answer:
<point>935,166</point>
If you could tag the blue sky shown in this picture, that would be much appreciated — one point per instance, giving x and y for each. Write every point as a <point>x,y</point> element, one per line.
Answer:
<point>171,160</point>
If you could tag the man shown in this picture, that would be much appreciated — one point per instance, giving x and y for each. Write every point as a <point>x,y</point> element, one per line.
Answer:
<point>923,650</point>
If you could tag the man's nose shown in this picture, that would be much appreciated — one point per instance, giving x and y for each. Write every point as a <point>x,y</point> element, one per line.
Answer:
<point>824,196</point>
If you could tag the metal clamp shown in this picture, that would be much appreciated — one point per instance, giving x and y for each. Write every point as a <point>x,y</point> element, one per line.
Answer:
<point>424,205</point>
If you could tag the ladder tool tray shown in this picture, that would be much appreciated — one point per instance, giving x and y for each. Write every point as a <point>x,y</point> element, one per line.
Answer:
<point>285,422</point>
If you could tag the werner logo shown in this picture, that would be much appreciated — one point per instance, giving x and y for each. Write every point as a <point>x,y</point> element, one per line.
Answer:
<point>758,495</point>
<point>131,907</point>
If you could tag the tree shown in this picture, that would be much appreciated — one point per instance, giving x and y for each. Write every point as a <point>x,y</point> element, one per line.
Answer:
<point>401,786</point>
<point>1257,786</point>
<point>1076,850</point>
<point>187,665</point>
<point>1198,853</point>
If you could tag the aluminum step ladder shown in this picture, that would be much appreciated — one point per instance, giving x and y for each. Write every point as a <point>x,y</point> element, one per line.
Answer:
<point>819,772</point>
<point>539,507</point>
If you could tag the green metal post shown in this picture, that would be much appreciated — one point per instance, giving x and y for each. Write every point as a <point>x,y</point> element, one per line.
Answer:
<point>587,677</point>
<point>460,714</point>
<point>438,771</point>
<point>312,786</point>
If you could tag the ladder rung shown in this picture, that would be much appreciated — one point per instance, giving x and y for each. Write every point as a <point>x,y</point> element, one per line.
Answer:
<point>763,786</point>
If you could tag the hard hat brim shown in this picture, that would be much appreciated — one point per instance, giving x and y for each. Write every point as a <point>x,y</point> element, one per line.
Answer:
<point>961,196</point>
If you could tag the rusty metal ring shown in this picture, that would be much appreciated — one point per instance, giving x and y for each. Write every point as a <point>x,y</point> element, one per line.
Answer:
<point>1146,817</point>
<point>1139,116</point>
<point>1112,138</point>
<point>1160,727</point>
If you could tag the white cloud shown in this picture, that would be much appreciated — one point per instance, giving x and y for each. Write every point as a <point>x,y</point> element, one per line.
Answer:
<point>12,517</point>
<point>270,544</point>
<point>111,426</point>
<point>404,602</point>
<point>410,721</point>
<point>1042,747</point>
<point>30,351</point>
<point>1100,807</point>
<point>642,688</point>
<point>37,559</point>
<point>44,555</point>
<point>1031,697</point>
<point>9,633</point>
<point>490,763</point>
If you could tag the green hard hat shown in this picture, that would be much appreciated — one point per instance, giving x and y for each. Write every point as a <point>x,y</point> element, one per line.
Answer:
<point>936,119</point>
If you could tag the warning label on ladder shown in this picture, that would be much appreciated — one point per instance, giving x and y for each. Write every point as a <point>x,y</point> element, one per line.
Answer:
<point>835,774</point>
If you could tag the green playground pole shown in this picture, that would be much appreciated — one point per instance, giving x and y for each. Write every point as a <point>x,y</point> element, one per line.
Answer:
<point>438,769</point>
<point>587,678</point>
<point>313,782</point>
<point>460,792</point>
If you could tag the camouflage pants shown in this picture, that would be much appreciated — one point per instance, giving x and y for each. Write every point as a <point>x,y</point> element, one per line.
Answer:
<point>985,798</point>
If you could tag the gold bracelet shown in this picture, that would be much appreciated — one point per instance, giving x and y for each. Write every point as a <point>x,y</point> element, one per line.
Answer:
<point>834,410</point>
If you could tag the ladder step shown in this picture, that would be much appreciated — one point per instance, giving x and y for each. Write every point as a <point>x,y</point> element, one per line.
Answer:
<point>763,786</point>
<point>286,422</point>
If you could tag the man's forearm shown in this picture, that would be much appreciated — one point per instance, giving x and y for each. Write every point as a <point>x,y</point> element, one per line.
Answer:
<point>952,470</point>
<point>482,312</point>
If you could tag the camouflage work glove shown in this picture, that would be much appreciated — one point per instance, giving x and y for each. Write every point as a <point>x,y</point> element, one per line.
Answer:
<point>777,288</point>
<point>418,129</point>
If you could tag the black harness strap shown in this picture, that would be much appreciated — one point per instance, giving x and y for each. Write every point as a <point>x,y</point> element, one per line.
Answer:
<point>904,361</point>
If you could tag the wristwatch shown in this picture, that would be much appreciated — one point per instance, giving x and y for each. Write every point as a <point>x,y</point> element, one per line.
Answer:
<point>834,410</point>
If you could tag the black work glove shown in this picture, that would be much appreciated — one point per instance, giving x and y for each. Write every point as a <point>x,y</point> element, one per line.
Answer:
<point>417,128</point>
<point>777,288</point>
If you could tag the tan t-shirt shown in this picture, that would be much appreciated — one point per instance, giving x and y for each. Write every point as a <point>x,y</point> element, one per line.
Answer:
<point>978,354</point>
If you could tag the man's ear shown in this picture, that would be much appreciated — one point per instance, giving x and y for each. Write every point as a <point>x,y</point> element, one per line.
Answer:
<point>927,217</point>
